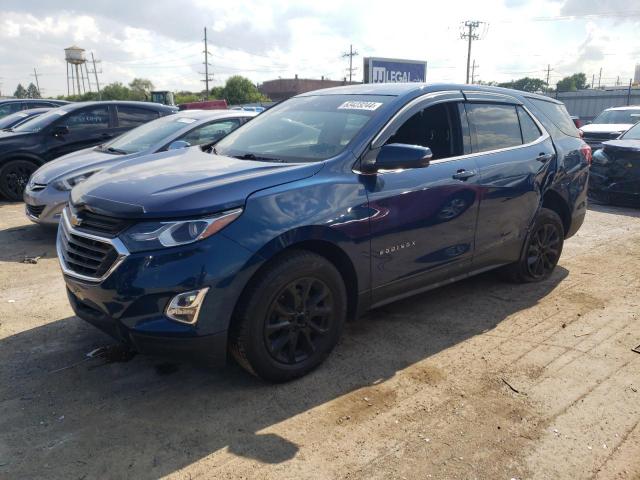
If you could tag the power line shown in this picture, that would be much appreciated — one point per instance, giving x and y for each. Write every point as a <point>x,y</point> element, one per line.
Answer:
<point>351,54</point>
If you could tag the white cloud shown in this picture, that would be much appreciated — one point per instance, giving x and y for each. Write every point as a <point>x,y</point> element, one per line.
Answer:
<point>161,40</point>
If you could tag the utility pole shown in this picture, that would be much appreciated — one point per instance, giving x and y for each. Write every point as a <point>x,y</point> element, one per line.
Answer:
<point>473,71</point>
<point>207,78</point>
<point>618,81</point>
<point>600,77</point>
<point>549,70</point>
<point>95,72</point>
<point>469,33</point>
<point>593,81</point>
<point>351,54</point>
<point>35,74</point>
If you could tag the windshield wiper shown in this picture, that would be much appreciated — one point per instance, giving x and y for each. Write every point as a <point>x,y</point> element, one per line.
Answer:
<point>253,156</point>
<point>116,150</point>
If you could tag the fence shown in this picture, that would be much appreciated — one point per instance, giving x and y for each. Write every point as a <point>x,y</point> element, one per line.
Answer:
<point>587,104</point>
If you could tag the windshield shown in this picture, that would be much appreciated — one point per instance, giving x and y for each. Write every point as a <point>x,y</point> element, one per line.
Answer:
<point>41,121</point>
<point>303,129</point>
<point>633,133</point>
<point>147,135</point>
<point>618,116</point>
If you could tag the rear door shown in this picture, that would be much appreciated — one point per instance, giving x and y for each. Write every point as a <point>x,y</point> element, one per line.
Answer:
<point>423,220</point>
<point>87,127</point>
<point>514,155</point>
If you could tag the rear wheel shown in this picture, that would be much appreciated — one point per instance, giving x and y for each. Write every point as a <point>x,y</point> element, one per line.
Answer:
<point>541,251</point>
<point>14,176</point>
<point>290,318</point>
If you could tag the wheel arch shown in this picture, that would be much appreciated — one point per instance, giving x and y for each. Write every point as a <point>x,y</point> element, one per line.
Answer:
<point>554,201</point>
<point>22,156</point>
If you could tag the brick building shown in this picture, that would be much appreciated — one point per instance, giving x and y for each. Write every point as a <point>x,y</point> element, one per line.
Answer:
<point>283,88</point>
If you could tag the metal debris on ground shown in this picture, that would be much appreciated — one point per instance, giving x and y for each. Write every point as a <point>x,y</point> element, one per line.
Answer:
<point>637,349</point>
<point>31,260</point>
<point>510,386</point>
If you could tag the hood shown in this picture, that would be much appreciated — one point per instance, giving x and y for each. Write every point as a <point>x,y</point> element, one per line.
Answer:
<point>606,127</point>
<point>182,183</point>
<point>628,145</point>
<point>81,161</point>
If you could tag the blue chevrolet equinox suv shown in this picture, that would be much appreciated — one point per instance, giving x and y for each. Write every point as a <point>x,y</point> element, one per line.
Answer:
<point>329,204</point>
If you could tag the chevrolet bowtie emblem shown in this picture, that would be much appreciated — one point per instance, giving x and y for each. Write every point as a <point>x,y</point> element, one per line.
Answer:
<point>75,221</point>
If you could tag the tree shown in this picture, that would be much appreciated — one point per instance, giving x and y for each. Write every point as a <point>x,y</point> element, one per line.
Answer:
<point>140,89</point>
<point>237,90</point>
<point>577,81</point>
<point>526,84</point>
<point>116,91</point>
<point>20,92</point>
<point>32,91</point>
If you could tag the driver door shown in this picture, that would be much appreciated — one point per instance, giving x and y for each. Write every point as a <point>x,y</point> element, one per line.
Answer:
<point>424,219</point>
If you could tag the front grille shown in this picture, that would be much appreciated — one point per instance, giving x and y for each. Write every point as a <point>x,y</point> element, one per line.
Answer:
<point>85,256</point>
<point>35,210</point>
<point>100,224</point>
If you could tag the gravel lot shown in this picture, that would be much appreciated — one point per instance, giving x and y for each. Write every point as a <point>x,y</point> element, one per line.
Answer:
<point>481,379</point>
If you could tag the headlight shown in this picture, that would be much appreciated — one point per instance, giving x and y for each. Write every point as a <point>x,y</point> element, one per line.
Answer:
<point>67,183</point>
<point>154,235</point>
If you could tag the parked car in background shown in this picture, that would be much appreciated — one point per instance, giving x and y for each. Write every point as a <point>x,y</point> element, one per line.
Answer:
<point>249,108</point>
<point>326,205</point>
<point>204,105</point>
<point>13,105</point>
<point>610,124</point>
<point>48,189</point>
<point>577,121</point>
<point>15,119</point>
<point>64,130</point>
<point>615,171</point>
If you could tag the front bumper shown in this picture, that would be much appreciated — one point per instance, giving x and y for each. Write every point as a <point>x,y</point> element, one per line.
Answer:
<point>130,303</point>
<point>44,204</point>
<point>615,187</point>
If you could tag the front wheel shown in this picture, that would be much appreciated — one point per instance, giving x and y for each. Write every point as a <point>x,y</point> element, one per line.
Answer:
<point>541,251</point>
<point>14,176</point>
<point>290,318</point>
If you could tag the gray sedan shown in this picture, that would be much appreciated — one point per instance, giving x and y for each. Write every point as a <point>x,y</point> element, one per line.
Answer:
<point>48,189</point>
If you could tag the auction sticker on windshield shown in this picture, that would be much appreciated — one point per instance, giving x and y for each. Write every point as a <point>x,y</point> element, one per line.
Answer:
<point>355,105</point>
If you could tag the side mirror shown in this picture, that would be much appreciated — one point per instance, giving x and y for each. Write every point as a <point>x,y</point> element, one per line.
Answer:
<point>400,155</point>
<point>60,130</point>
<point>178,144</point>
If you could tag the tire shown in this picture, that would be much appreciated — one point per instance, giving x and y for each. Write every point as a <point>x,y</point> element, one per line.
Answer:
<point>14,176</point>
<point>290,317</point>
<point>541,251</point>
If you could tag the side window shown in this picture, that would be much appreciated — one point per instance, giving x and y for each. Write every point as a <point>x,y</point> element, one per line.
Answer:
<point>437,127</point>
<point>494,126</point>
<point>210,132</point>
<point>90,118</point>
<point>40,105</point>
<point>134,116</point>
<point>9,108</point>
<point>530,130</point>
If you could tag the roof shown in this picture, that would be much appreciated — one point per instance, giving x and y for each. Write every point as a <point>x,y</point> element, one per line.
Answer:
<point>626,107</point>
<point>149,105</point>
<point>415,89</point>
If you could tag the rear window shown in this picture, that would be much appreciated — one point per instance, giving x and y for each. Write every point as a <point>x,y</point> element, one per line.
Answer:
<point>557,113</point>
<point>133,116</point>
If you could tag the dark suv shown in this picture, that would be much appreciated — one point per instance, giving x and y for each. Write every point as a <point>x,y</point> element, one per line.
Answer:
<point>326,205</point>
<point>13,105</point>
<point>64,130</point>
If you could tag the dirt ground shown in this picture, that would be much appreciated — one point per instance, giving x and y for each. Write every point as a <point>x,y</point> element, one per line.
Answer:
<point>481,379</point>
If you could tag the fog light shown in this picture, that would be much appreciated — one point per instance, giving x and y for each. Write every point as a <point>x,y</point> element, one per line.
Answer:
<point>185,307</point>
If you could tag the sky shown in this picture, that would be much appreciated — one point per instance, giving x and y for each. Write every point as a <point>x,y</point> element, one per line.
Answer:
<point>262,40</point>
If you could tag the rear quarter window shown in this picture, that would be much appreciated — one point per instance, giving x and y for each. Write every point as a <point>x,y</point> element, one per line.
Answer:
<point>557,113</point>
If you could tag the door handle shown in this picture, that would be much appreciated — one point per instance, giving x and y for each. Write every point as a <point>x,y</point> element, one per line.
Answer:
<point>545,157</point>
<point>463,174</point>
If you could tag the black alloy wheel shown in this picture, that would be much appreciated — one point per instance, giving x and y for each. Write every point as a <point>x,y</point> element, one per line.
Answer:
<point>544,250</point>
<point>14,177</point>
<point>298,320</point>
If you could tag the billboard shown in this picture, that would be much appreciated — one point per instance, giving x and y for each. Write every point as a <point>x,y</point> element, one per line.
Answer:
<point>393,70</point>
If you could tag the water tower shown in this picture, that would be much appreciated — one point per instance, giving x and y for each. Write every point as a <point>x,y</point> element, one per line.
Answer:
<point>74,56</point>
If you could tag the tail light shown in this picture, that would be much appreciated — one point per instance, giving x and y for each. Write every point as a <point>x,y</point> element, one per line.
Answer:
<point>585,150</point>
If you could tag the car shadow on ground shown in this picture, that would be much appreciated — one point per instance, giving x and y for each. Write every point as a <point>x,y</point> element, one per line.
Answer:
<point>614,209</point>
<point>27,241</point>
<point>63,416</point>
